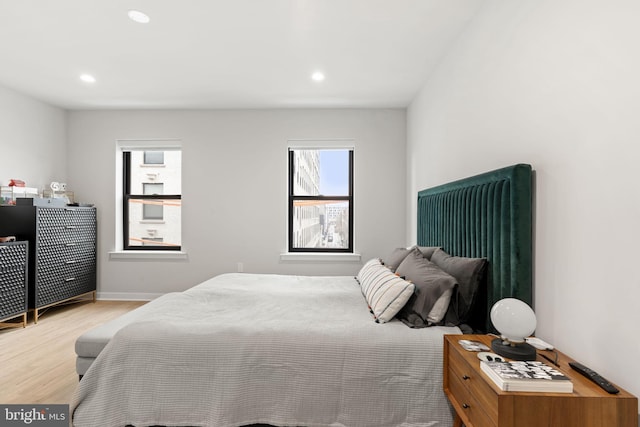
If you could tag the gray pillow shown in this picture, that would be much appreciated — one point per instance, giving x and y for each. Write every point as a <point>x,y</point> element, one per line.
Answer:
<point>430,301</point>
<point>470,274</point>
<point>396,257</point>
<point>427,251</point>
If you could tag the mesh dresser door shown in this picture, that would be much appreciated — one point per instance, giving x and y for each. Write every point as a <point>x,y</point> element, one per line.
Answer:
<point>13,280</point>
<point>65,254</point>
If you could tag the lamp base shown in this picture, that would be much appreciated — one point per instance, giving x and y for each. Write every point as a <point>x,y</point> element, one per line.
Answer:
<point>519,351</point>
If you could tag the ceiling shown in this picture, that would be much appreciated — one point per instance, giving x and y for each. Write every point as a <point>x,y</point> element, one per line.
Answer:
<point>226,53</point>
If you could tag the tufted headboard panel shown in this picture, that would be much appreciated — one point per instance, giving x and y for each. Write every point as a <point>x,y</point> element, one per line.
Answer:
<point>490,216</point>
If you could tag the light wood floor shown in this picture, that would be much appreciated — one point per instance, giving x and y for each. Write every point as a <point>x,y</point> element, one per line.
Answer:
<point>37,363</point>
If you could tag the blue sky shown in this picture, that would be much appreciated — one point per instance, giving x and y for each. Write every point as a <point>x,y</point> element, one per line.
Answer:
<point>334,172</point>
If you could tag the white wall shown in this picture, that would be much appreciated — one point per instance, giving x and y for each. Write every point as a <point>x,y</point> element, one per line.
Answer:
<point>554,84</point>
<point>235,187</point>
<point>32,140</point>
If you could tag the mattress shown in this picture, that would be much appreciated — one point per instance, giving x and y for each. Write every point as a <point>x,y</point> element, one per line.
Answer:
<point>241,349</point>
<point>90,344</point>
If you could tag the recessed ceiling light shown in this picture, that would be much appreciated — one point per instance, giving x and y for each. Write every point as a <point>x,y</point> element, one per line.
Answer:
<point>87,78</point>
<point>318,76</point>
<point>136,15</point>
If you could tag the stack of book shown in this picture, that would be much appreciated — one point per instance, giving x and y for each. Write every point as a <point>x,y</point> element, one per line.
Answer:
<point>527,376</point>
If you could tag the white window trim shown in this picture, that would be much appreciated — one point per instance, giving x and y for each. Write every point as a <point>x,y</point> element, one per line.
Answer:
<point>319,257</point>
<point>322,144</point>
<point>164,144</point>
<point>148,255</point>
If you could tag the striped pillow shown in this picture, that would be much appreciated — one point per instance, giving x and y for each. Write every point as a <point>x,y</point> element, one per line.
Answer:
<point>385,292</point>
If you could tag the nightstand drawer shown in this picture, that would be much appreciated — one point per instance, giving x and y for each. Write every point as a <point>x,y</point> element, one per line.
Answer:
<point>473,410</point>
<point>477,386</point>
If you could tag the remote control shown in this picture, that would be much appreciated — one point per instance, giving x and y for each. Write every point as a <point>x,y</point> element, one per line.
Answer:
<point>595,377</point>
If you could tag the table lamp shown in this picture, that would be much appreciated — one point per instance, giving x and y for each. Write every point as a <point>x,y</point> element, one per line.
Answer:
<point>515,321</point>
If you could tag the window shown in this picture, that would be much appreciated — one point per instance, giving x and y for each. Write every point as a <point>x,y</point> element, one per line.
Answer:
<point>151,209</point>
<point>152,200</point>
<point>320,200</point>
<point>152,241</point>
<point>154,157</point>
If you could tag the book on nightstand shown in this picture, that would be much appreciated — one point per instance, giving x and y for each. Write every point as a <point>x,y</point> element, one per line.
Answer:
<point>527,376</point>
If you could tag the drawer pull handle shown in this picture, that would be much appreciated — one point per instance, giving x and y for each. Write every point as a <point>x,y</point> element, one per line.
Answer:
<point>466,377</point>
<point>71,261</point>
<point>465,406</point>
<point>70,227</point>
<point>70,279</point>
<point>70,244</point>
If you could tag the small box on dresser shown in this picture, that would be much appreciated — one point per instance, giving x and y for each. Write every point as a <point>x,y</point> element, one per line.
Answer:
<point>13,282</point>
<point>62,251</point>
<point>478,402</point>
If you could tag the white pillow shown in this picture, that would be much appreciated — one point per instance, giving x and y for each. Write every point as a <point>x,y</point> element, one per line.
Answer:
<point>385,292</point>
<point>372,263</point>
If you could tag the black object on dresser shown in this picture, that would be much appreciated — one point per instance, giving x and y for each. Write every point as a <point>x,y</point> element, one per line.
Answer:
<point>62,251</point>
<point>13,282</point>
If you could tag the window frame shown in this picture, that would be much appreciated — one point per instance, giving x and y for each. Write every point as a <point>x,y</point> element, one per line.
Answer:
<point>292,198</point>
<point>127,196</point>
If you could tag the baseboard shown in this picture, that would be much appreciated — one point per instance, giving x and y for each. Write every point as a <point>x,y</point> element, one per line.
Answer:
<point>127,296</point>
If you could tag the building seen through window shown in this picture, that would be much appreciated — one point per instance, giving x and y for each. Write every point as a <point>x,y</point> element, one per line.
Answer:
<point>320,200</point>
<point>152,205</point>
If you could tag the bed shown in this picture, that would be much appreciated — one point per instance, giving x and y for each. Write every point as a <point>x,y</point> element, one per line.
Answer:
<point>246,349</point>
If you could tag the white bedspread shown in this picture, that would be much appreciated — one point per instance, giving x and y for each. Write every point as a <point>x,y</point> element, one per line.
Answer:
<point>284,350</point>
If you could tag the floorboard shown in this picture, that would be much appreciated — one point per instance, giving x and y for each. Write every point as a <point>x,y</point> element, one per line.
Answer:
<point>37,363</point>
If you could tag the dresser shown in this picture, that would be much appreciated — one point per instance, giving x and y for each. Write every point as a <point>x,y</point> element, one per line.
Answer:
<point>13,282</point>
<point>478,402</point>
<point>62,252</point>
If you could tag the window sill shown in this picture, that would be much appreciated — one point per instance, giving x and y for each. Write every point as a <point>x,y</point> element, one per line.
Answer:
<point>319,257</point>
<point>147,255</point>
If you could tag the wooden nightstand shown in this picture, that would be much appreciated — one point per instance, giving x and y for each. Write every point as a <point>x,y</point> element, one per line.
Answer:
<point>478,402</point>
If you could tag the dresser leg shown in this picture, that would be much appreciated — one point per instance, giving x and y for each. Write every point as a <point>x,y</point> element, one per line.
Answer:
<point>457,421</point>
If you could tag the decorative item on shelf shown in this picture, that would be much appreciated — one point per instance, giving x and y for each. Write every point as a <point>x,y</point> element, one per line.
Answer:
<point>16,183</point>
<point>58,190</point>
<point>6,195</point>
<point>16,189</point>
<point>471,345</point>
<point>515,321</point>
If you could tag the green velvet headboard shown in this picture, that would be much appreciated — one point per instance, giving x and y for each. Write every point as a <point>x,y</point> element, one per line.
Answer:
<point>490,216</point>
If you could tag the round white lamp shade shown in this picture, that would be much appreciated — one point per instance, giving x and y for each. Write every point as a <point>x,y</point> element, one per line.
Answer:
<point>514,319</point>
